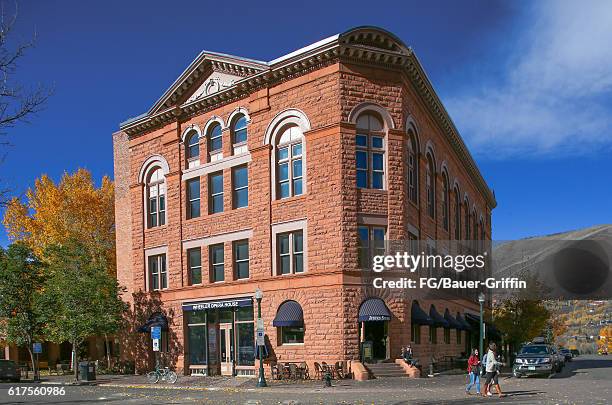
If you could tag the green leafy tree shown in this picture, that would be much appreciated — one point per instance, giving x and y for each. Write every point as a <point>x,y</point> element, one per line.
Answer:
<point>80,299</point>
<point>520,320</point>
<point>21,282</point>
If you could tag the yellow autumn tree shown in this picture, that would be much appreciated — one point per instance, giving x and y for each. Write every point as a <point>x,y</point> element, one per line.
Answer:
<point>73,209</point>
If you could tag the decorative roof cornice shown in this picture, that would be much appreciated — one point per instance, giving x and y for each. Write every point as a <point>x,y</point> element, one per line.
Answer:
<point>369,45</point>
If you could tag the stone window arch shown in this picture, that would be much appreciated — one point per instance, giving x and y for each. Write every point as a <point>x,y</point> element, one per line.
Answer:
<point>286,136</point>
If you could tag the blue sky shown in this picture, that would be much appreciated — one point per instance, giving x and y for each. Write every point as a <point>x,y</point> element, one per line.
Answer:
<point>528,85</point>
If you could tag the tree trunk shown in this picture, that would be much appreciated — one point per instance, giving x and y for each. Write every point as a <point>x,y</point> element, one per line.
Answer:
<point>34,365</point>
<point>75,361</point>
<point>108,356</point>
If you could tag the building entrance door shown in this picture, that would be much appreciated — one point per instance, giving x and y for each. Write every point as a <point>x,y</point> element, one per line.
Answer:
<point>226,346</point>
<point>377,333</point>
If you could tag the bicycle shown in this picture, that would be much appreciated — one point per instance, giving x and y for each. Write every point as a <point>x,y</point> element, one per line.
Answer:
<point>162,373</point>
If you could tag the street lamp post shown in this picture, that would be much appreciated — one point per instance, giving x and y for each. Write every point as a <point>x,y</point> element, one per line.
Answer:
<point>262,378</point>
<point>481,300</point>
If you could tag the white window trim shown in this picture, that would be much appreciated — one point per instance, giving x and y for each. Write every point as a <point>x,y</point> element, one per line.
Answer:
<point>160,250</point>
<point>220,238</point>
<point>219,165</point>
<point>285,227</point>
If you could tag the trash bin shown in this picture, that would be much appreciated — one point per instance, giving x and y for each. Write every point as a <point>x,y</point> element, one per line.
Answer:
<point>87,371</point>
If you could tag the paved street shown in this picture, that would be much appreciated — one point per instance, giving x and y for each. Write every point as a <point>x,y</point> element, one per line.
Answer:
<point>586,380</point>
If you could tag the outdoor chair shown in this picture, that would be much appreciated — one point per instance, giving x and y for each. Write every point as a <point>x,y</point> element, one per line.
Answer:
<point>304,368</point>
<point>318,371</point>
<point>294,372</point>
<point>340,370</point>
<point>276,373</point>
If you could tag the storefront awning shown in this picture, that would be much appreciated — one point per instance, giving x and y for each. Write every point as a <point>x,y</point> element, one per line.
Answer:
<point>452,322</point>
<point>463,322</point>
<point>419,317</point>
<point>213,304</point>
<point>473,319</point>
<point>374,309</point>
<point>289,314</point>
<point>438,320</point>
<point>156,319</point>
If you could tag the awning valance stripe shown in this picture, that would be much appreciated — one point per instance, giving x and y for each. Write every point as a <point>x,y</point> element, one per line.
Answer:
<point>452,322</point>
<point>289,314</point>
<point>419,317</point>
<point>374,309</point>
<point>438,320</point>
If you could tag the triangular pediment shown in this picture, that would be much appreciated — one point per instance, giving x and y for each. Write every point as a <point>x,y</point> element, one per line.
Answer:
<point>209,73</point>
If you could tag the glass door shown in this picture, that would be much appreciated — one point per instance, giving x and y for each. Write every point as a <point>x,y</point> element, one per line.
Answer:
<point>226,349</point>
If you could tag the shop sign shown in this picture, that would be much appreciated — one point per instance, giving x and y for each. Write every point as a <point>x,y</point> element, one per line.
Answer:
<point>202,306</point>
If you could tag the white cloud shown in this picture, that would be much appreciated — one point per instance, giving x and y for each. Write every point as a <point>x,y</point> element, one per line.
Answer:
<point>556,93</point>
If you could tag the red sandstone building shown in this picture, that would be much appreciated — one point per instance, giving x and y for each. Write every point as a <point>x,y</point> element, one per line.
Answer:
<point>248,174</point>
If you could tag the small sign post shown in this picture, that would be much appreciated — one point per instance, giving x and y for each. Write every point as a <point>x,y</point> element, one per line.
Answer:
<point>36,349</point>
<point>156,337</point>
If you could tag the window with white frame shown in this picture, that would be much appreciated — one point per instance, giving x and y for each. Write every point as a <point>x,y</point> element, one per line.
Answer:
<point>370,152</point>
<point>290,252</point>
<point>445,202</point>
<point>457,215</point>
<point>215,191</point>
<point>371,243</point>
<point>156,198</point>
<point>217,263</point>
<point>430,186</point>
<point>413,168</point>
<point>289,162</point>
<point>241,259</point>
<point>194,261</point>
<point>193,198</point>
<point>467,220</point>
<point>192,148</point>
<point>239,134</point>
<point>158,274</point>
<point>215,140</point>
<point>240,183</point>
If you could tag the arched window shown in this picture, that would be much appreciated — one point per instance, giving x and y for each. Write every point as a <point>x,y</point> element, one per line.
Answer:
<point>156,198</point>
<point>467,219</point>
<point>457,215</point>
<point>413,168</point>
<point>192,146</point>
<point>430,186</point>
<point>474,230</point>
<point>239,130</point>
<point>215,139</point>
<point>289,155</point>
<point>370,152</point>
<point>445,202</point>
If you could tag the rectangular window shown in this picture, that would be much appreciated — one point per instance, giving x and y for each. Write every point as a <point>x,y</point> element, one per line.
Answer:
<point>370,161</point>
<point>162,209</point>
<point>458,337</point>
<point>371,243</point>
<point>217,263</point>
<point>433,335</point>
<point>290,171</point>
<point>290,252</point>
<point>196,339</point>
<point>240,181</point>
<point>292,334</point>
<point>158,274</point>
<point>152,212</point>
<point>194,260</point>
<point>193,198</point>
<point>415,333</point>
<point>447,336</point>
<point>215,185</point>
<point>241,259</point>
